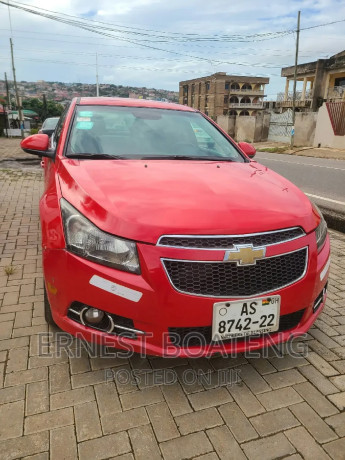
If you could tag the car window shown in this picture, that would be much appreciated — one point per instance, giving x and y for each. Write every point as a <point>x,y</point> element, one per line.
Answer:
<point>50,123</point>
<point>139,132</point>
<point>58,129</point>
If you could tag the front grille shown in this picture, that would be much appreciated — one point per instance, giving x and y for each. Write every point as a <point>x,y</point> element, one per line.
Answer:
<point>226,279</point>
<point>228,242</point>
<point>184,337</point>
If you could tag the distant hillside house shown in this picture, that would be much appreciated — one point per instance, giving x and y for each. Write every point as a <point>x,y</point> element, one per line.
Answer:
<point>323,80</point>
<point>222,94</point>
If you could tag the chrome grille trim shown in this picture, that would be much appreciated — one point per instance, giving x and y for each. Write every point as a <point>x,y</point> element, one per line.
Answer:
<point>236,237</point>
<point>270,291</point>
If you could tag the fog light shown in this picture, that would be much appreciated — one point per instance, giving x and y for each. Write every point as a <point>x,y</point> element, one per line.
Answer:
<point>93,315</point>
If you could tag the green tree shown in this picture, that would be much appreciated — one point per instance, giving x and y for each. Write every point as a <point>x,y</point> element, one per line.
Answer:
<point>50,109</point>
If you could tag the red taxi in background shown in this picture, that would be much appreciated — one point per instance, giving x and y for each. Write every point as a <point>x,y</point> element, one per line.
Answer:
<point>159,231</point>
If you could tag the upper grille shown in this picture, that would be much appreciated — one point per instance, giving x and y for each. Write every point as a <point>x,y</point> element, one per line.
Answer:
<point>202,335</point>
<point>226,279</point>
<point>228,242</point>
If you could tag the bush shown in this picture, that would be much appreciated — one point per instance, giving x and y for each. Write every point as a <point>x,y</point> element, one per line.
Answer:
<point>33,131</point>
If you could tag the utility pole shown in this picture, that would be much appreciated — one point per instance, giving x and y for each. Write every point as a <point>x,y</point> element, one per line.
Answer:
<point>97,84</point>
<point>8,105</point>
<point>21,120</point>
<point>294,83</point>
<point>7,92</point>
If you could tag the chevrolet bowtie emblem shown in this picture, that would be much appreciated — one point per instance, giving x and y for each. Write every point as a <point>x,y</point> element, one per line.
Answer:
<point>244,254</point>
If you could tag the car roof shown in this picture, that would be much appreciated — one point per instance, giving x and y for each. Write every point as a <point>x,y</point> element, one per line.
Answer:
<point>128,102</point>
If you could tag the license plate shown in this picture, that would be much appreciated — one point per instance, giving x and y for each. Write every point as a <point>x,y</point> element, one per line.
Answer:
<point>242,318</point>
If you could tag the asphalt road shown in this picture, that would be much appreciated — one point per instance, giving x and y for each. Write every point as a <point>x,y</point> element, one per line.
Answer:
<point>323,180</point>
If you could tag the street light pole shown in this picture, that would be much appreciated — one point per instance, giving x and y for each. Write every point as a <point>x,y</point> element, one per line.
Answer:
<point>97,84</point>
<point>294,83</point>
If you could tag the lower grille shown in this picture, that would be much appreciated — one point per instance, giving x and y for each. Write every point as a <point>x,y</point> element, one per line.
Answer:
<point>184,337</point>
<point>227,279</point>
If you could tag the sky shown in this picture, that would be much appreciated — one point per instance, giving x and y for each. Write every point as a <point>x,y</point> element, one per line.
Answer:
<point>153,44</point>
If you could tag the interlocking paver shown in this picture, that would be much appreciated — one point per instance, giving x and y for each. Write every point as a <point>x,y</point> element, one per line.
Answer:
<point>37,398</point>
<point>113,423</point>
<point>225,444</point>
<point>63,443</point>
<point>315,399</point>
<point>188,446</point>
<point>197,421</point>
<point>306,444</point>
<point>237,422</point>
<point>162,421</point>
<point>87,421</point>
<point>274,421</point>
<point>269,448</point>
<point>63,400</point>
<point>144,443</point>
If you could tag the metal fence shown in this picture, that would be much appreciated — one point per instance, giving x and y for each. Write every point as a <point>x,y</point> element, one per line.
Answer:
<point>336,112</point>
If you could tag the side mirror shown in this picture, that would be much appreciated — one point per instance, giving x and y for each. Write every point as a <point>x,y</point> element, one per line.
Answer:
<point>37,145</point>
<point>248,149</point>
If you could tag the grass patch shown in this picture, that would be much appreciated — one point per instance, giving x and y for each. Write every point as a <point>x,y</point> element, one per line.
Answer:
<point>9,270</point>
<point>273,149</point>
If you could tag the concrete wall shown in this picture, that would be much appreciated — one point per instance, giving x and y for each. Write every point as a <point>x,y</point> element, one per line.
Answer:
<point>305,123</point>
<point>324,134</point>
<point>251,129</point>
<point>227,123</point>
<point>245,129</point>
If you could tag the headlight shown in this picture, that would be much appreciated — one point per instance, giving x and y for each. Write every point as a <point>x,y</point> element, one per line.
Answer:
<point>86,240</point>
<point>321,230</point>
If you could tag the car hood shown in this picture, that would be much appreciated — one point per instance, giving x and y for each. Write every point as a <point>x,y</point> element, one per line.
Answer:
<point>142,200</point>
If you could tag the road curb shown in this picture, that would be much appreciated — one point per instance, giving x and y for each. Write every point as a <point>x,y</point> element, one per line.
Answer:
<point>335,220</point>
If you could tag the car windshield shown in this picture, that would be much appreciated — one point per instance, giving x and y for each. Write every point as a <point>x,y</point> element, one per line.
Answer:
<point>146,133</point>
<point>50,123</point>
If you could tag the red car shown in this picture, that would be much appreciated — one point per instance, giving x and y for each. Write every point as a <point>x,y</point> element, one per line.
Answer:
<point>161,234</point>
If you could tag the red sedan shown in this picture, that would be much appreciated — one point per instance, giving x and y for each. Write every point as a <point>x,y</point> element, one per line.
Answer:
<point>161,234</point>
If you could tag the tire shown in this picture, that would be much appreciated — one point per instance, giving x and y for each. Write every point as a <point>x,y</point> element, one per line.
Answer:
<point>47,310</point>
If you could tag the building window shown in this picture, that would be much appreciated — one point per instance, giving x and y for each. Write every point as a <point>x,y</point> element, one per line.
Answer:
<point>227,85</point>
<point>193,88</point>
<point>206,112</point>
<point>226,99</point>
<point>244,113</point>
<point>207,85</point>
<point>234,100</point>
<point>185,90</point>
<point>233,112</point>
<point>225,112</point>
<point>247,86</point>
<point>235,86</point>
<point>206,100</point>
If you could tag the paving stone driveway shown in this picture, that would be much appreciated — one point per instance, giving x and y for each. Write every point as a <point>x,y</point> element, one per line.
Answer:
<point>55,405</point>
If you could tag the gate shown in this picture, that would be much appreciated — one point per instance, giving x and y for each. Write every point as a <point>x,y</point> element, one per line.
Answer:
<point>280,126</point>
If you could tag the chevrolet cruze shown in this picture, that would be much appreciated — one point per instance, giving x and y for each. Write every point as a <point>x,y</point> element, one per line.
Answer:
<point>161,234</point>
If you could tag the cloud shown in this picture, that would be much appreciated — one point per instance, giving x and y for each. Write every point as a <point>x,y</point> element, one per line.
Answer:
<point>50,50</point>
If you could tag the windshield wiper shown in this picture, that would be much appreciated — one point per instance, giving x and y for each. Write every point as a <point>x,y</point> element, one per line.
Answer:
<point>184,157</point>
<point>96,156</point>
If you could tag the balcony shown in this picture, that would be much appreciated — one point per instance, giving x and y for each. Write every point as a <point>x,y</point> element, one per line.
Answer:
<point>246,105</point>
<point>255,92</point>
<point>337,92</point>
<point>308,95</point>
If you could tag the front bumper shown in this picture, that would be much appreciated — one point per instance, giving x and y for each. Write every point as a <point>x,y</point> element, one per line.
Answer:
<point>155,307</point>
